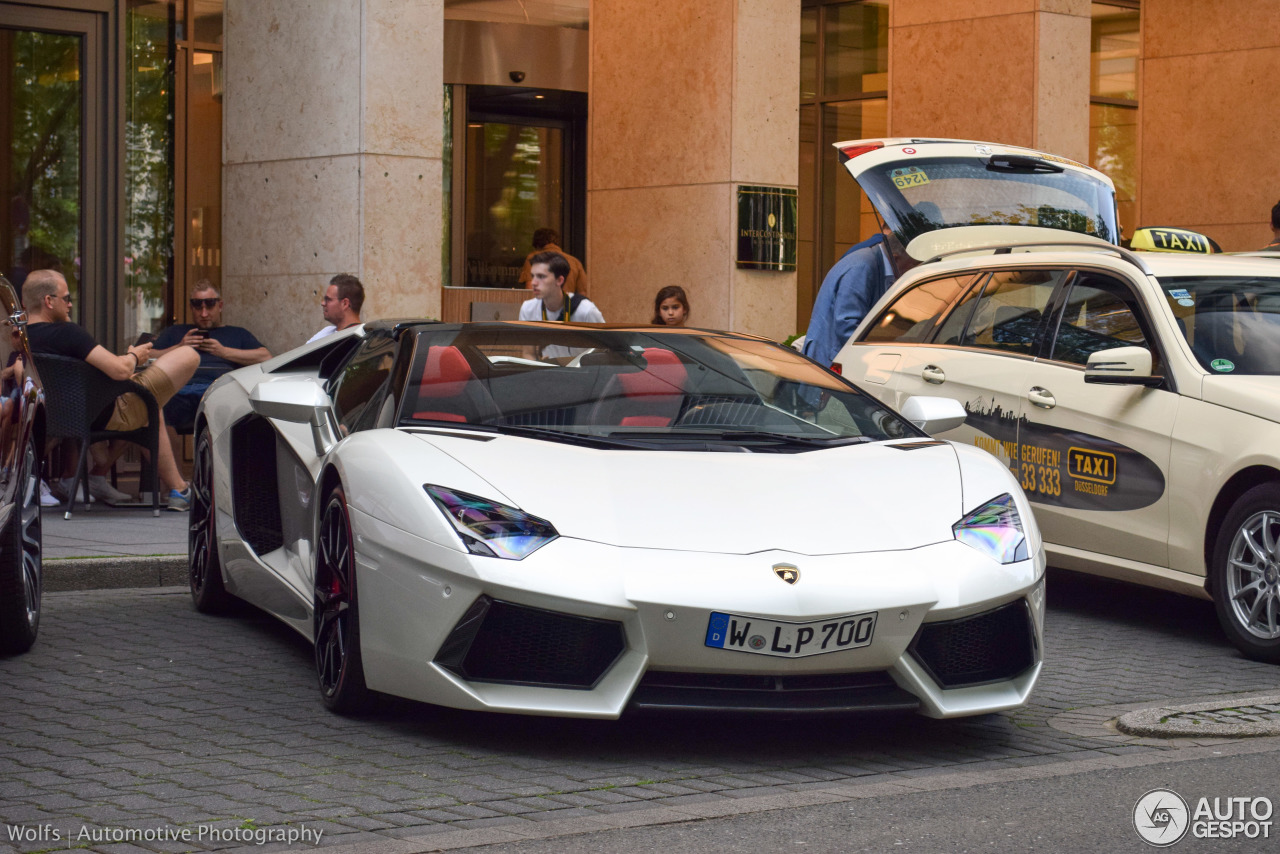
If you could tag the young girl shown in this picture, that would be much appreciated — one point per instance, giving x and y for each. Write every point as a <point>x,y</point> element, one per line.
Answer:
<point>670,307</point>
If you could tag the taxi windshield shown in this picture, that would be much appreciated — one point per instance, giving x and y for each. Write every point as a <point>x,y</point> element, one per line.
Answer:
<point>1232,323</point>
<point>635,387</point>
<point>929,193</point>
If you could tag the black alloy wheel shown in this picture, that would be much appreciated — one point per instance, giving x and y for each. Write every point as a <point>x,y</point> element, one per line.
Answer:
<point>21,559</point>
<point>204,568</point>
<point>337,618</point>
<point>1246,573</point>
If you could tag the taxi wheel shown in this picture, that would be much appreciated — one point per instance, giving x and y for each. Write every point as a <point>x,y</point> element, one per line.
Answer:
<point>337,616</point>
<point>21,560</point>
<point>204,568</point>
<point>1246,573</point>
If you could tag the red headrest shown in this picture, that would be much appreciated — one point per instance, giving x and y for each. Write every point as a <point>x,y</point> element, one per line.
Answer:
<point>445,374</point>
<point>664,375</point>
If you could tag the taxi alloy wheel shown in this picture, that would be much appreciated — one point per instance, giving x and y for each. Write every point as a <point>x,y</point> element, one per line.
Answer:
<point>21,560</point>
<point>204,568</point>
<point>337,618</point>
<point>1246,582</point>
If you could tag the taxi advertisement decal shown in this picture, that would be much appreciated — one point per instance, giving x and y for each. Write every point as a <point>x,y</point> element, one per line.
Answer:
<point>1066,468</point>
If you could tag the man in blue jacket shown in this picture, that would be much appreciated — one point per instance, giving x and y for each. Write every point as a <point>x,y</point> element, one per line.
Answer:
<point>851,287</point>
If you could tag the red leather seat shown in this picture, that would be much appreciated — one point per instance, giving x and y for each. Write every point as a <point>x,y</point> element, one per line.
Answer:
<point>447,388</point>
<point>652,397</point>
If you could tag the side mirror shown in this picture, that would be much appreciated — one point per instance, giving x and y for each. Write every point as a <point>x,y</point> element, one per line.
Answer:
<point>1121,366</point>
<point>298,401</point>
<point>934,414</point>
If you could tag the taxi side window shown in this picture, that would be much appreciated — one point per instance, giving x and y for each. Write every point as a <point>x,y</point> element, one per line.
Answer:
<point>913,315</point>
<point>1098,314</point>
<point>1007,316</point>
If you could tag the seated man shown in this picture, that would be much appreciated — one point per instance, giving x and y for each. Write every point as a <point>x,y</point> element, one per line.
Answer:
<point>340,305</point>
<point>221,348</point>
<point>49,330</point>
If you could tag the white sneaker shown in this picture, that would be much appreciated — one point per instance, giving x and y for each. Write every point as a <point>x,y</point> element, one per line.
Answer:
<point>100,487</point>
<point>47,498</point>
<point>64,486</point>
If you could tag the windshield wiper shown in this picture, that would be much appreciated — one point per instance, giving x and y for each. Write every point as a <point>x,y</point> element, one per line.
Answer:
<point>758,436</point>
<point>589,440</point>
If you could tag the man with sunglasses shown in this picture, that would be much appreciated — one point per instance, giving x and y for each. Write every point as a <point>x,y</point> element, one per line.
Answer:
<point>222,348</point>
<point>48,302</point>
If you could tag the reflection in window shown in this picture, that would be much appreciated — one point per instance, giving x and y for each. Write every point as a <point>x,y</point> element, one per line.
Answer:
<point>912,316</point>
<point>1008,315</point>
<point>40,95</point>
<point>1113,108</point>
<point>1098,315</point>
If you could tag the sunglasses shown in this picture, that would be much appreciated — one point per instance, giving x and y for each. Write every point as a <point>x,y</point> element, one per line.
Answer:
<point>208,302</point>
<point>66,297</point>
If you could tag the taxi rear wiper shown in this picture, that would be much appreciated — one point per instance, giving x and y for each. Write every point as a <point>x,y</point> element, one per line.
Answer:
<point>1020,163</point>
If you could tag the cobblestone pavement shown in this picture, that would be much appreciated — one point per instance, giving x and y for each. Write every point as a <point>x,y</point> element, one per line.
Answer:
<point>134,712</point>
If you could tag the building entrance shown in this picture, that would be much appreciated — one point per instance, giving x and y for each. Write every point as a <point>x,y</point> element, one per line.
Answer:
<point>522,169</point>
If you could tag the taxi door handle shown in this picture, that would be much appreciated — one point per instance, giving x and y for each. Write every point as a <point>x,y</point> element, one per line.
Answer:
<point>933,374</point>
<point>1041,397</point>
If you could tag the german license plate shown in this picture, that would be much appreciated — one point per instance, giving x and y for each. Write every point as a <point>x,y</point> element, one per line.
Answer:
<point>789,640</point>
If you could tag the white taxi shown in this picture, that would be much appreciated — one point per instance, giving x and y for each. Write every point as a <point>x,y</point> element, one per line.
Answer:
<point>1136,396</point>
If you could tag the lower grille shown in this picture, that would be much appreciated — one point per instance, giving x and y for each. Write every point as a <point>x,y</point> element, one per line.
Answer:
<point>989,647</point>
<point>733,692</point>
<point>499,641</point>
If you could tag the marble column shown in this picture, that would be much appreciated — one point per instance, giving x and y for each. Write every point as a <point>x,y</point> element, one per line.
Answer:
<point>332,148</point>
<point>1012,71</point>
<point>687,103</point>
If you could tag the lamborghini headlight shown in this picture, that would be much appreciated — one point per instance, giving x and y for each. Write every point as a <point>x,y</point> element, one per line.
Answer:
<point>995,529</point>
<point>489,528</point>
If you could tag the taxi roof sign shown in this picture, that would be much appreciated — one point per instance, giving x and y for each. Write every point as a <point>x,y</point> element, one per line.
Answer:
<point>1160,239</point>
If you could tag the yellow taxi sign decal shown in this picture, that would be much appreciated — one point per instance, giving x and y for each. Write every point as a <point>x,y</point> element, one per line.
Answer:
<point>1097,466</point>
<point>1153,239</point>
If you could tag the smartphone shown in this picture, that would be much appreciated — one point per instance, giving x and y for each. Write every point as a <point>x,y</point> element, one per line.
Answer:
<point>144,338</point>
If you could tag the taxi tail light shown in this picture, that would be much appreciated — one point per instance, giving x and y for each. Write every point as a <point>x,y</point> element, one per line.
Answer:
<point>852,151</point>
<point>837,368</point>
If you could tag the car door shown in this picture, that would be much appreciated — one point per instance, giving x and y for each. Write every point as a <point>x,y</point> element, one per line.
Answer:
<point>976,351</point>
<point>1095,457</point>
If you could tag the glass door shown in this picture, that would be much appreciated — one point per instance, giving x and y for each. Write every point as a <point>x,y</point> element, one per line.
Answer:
<point>42,129</point>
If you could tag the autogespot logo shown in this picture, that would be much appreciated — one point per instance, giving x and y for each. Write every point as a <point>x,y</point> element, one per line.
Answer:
<point>1160,817</point>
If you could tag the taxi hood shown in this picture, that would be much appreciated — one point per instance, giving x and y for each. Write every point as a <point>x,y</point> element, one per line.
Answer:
<point>1249,393</point>
<point>853,498</point>
<point>923,185</point>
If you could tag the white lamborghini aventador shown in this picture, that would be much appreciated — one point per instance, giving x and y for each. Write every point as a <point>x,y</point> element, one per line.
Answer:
<point>584,520</point>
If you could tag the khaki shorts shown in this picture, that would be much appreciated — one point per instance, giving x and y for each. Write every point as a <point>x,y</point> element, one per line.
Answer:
<point>130,411</point>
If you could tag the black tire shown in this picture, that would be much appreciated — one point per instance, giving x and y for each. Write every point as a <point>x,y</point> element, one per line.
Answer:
<point>337,617</point>
<point>21,560</point>
<point>1246,573</point>
<point>204,567</point>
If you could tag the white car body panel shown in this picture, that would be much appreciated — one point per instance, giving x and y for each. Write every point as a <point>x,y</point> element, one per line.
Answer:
<point>653,540</point>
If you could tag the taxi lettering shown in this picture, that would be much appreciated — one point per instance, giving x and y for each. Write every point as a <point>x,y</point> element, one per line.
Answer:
<point>1096,466</point>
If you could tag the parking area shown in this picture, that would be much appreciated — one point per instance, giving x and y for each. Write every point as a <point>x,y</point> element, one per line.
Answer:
<point>133,711</point>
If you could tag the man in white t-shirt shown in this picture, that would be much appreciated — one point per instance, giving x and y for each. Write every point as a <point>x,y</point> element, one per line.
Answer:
<point>547,272</point>
<point>341,304</point>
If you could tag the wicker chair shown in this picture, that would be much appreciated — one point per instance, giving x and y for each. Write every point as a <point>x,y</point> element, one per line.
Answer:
<point>76,393</point>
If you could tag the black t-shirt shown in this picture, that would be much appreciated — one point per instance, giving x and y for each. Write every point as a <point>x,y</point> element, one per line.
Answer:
<point>60,338</point>
<point>211,366</point>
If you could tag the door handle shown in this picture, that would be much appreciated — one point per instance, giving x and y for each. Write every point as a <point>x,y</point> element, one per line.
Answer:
<point>933,374</point>
<point>1042,397</point>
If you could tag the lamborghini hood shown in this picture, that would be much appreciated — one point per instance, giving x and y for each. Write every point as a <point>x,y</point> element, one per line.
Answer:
<point>856,498</point>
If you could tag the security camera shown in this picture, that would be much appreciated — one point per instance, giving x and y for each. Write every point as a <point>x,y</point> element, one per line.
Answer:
<point>516,76</point>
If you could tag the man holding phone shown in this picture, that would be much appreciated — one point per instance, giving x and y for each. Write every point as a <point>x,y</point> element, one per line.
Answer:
<point>222,349</point>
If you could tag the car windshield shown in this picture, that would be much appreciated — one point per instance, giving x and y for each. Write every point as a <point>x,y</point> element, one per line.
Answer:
<point>929,193</point>
<point>636,388</point>
<point>1232,323</point>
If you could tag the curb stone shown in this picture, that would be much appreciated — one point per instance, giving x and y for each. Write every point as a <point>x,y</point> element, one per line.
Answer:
<point>98,573</point>
<point>1230,716</point>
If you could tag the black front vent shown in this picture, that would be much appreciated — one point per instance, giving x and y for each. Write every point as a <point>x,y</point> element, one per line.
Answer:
<point>253,484</point>
<point>736,692</point>
<point>988,647</point>
<point>499,641</point>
